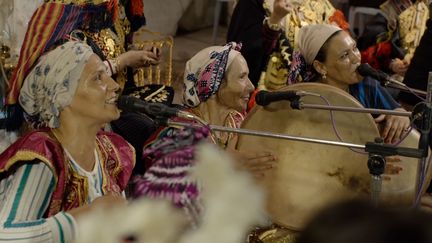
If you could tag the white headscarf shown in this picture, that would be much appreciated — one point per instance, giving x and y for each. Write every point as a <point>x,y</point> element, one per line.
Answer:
<point>52,83</point>
<point>313,37</point>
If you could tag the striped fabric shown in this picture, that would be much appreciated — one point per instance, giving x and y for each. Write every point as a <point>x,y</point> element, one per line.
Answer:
<point>94,177</point>
<point>50,23</point>
<point>24,198</point>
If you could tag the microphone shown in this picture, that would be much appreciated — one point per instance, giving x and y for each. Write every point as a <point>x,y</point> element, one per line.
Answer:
<point>129,103</point>
<point>264,98</point>
<point>385,79</point>
<point>366,70</point>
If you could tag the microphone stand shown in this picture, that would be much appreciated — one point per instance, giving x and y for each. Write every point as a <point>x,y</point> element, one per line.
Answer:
<point>424,127</point>
<point>377,150</point>
<point>354,109</point>
<point>422,117</point>
<point>296,103</point>
<point>403,87</point>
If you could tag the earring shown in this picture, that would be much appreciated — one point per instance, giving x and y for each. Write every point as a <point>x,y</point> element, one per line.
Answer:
<point>324,76</point>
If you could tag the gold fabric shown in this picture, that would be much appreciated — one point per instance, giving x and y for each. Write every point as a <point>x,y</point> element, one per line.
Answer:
<point>273,234</point>
<point>308,12</point>
<point>112,43</point>
<point>412,23</point>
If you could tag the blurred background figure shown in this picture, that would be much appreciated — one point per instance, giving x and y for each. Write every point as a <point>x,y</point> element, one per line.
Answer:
<point>360,222</point>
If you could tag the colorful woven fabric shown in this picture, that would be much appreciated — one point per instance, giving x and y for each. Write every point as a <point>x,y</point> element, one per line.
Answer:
<point>300,71</point>
<point>50,23</point>
<point>205,71</point>
<point>168,177</point>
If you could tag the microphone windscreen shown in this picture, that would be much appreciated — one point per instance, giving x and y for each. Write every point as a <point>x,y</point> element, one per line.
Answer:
<point>260,98</point>
<point>365,69</point>
<point>125,102</point>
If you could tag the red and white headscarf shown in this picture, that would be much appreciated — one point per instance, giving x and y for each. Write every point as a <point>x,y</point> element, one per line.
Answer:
<point>205,71</point>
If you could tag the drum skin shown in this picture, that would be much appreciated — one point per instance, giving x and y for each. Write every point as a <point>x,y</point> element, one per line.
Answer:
<point>311,176</point>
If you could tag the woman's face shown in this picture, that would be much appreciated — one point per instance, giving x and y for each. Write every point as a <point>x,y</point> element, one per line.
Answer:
<point>235,92</point>
<point>96,97</point>
<point>342,60</point>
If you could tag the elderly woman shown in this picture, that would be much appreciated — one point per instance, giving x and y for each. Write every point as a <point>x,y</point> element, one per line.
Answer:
<point>334,56</point>
<point>217,90</point>
<point>53,175</point>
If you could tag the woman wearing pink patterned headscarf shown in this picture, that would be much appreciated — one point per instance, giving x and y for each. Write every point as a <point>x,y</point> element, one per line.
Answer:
<point>216,89</point>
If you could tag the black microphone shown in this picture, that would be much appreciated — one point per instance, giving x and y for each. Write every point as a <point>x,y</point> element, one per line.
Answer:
<point>385,79</point>
<point>264,98</point>
<point>129,103</point>
<point>366,70</point>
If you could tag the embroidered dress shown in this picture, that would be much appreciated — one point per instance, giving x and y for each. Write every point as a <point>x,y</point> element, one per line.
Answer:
<point>39,184</point>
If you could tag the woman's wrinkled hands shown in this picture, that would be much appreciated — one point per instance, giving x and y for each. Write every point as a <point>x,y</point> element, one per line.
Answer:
<point>394,127</point>
<point>259,164</point>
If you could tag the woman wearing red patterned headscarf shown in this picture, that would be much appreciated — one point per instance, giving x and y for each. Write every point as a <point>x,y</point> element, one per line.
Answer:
<point>217,90</point>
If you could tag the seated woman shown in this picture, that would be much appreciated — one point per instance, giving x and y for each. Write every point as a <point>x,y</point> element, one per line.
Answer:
<point>53,175</point>
<point>217,90</point>
<point>334,56</point>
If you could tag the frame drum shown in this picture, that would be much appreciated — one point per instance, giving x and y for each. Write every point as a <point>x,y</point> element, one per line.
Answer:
<point>311,176</point>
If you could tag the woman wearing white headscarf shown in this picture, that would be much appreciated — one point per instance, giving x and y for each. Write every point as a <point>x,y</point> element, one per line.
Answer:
<point>333,55</point>
<point>68,167</point>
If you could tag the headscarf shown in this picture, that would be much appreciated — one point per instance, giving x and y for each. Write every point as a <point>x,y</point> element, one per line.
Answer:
<point>205,71</point>
<point>52,83</point>
<point>313,37</point>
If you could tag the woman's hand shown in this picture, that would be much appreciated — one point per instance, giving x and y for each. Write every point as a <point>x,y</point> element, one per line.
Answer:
<point>394,127</point>
<point>139,58</point>
<point>257,163</point>
<point>107,201</point>
<point>280,9</point>
<point>399,66</point>
<point>392,167</point>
